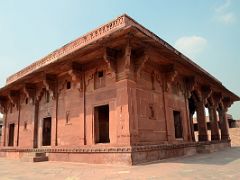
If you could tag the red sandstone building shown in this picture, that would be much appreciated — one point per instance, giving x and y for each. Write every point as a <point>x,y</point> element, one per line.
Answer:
<point>118,94</point>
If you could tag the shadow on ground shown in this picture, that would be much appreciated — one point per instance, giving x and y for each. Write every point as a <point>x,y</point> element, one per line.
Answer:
<point>223,157</point>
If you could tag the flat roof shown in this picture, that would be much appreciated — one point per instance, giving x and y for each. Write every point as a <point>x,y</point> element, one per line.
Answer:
<point>119,23</point>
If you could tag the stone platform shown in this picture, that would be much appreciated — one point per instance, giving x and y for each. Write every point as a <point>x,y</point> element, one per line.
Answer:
<point>118,155</point>
<point>218,165</point>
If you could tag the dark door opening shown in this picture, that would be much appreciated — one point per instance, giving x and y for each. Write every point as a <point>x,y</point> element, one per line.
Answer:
<point>46,131</point>
<point>177,124</point>
<point>101,124</point>
<point>11,135</point>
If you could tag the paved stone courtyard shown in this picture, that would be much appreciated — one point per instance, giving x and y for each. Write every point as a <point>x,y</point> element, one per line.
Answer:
<point>219,165</point>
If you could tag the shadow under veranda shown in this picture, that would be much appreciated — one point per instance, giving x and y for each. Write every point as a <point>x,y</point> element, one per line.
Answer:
<point>222,157</point>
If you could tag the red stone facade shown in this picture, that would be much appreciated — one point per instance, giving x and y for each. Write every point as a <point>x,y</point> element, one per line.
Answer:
<point>119,94</point>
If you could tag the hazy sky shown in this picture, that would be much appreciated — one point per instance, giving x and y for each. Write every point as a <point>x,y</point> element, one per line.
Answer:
<point>206,31</point>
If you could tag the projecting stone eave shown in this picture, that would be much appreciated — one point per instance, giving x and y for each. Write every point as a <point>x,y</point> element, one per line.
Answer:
<point>120,23</point>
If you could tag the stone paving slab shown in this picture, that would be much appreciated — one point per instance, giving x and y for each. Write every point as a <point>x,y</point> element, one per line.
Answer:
<point>219,165</point>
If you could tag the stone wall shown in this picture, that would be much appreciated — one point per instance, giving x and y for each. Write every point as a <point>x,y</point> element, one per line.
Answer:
<point>235,136</point>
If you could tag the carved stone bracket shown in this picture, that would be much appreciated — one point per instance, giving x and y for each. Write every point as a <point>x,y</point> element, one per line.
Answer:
<point>126,67</point>
<point>153,79</point>
<point>210,102</point>
<point>14,97</point>
<point>190,83</point>
<point>39,94</point>
<point>3,105</point>
<point>202,93</point>
<point>139,63</point>
<point>227,102</point>
<point>110,57</point>
<point>50,83</point>
<point>127,57</point>
<point>30,91</point>
<point>77,75</point>
<point>206,92</point>
<point>216,97</point>
<point>169,74</point>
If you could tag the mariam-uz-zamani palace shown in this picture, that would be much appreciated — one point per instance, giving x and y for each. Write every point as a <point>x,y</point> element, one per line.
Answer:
<point>118,94</point>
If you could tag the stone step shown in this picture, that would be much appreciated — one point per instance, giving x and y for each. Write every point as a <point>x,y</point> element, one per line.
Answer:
<point>34,157</point>
<point>40,159</point>
<point>40,154</point>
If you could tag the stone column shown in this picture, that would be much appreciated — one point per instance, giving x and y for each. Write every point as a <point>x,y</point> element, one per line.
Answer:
<point>192,128</point>
<point>35,124</point>
<point>4,130</point>
<point>224,124</point>
<point>202,126</point>
<point>214,123</point>
<point>190,83</point>
<point>123,112</point>
<point>4,111</point>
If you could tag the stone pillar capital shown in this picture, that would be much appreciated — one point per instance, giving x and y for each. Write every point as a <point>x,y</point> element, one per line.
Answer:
<point>227,102</point>
<point>206,92</point>
<point>212,103</point>
<point>216,98</point>
<point>190,83</point>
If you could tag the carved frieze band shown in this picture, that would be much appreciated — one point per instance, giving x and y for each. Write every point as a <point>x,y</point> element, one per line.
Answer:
<point>80,42</point>
<point>127,149</point>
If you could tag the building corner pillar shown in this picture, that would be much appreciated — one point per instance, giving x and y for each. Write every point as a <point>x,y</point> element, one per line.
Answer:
<point>123,129</point>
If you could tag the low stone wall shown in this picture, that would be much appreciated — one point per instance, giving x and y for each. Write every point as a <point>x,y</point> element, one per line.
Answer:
<point>235,136</point>
<point>213,147</point>
<point>155,155</point>
<point>120,155</point>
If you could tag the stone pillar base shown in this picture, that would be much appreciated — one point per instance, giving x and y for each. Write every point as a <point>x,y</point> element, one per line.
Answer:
<point>202,137</point>
<point>225,137</point>
<point>215,137</point>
